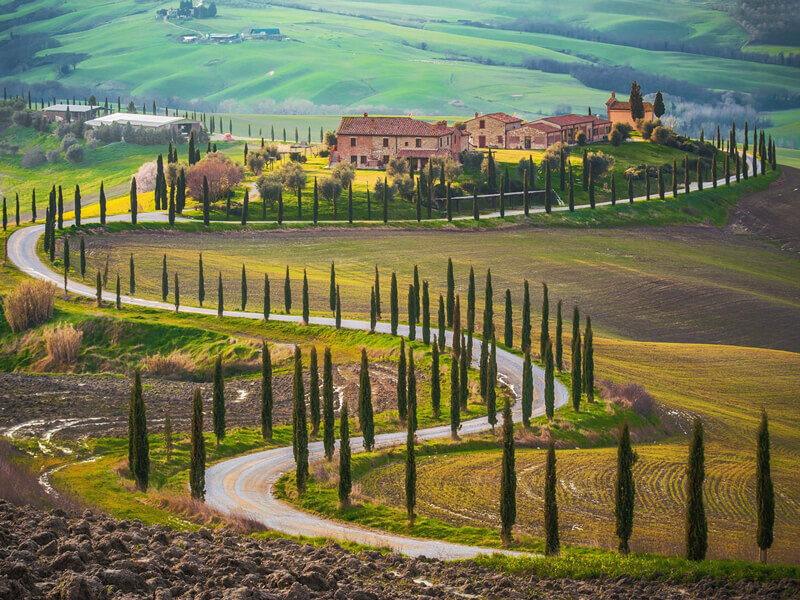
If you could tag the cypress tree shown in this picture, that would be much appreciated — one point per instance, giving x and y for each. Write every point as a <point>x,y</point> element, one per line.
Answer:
<point>373,317</point>
<point>577,378</point>
<point>197,467</point>
<point>417,299</point>
<point>306,308</point>
<point>377,293</point>
<point>411,466</point>
<point>457,326</point>
<point>441,321</point>
<point>625,489</point>
<point>315,206</point>
<point>402,404</point>
<point>491,385</point>
<point>559,356</point>
<point>455,390</point>
<point>5,214</point>
<point>332,289</point>
<point>279,217</point>
<point>395,308</point>
<point>674,178</point>
<point>544,336</point>
<point>201,283</point>
<point>463,377</point>
<point>436,386</point>
<point>411,397</point>
<point>177,292</point>
<point>167,439</point>
<point>245,205</point>
<point>136,392</point>
<point>412,313</point>
<point>266,392</point>
<point>118,301</point>
<point>699,174</point>
<point>449,203</point>
<point>549,382</point>
<point>426,314</point>
<point>220,298</point>
<point>16,215</point>
<point>508,330</point>
<point>385,201</point>
<point>613,189</point>
<point>99,290</point>
<point>571,189</point>
<point>696,525</point>
<point>476,213</point>
<point>218,402</point>
<point>266,297</point>
<point>451,292</point>
<point>630,188</point>
<point>588,361</point>
<point>527,389</point>
<point>552,544</point>
<point>526,317</point>
<point>171,208</point>
<point>508,479</point>
<point>131,272</point>
<point>134,201</point>
<point>365,404</point>
<point>345,483</point>
<point>660,181</point>
<point>33,206</point>
<point>299,427</point>
<point>548,191</point>
<point>102,209</point>
<point>714,170</point>
<point>686,184</point>
<point>77,206</point>
<point>727,169</point>
<point>338,320</point>
<point>313,391</point>
<point>141,445</point>
<point>327,404</point>
<point>164,279</point>
<point>591,186</point>
<point>765,494</point>
<point>287,293</point>
<point>471,301</point>
<point>646,182</point>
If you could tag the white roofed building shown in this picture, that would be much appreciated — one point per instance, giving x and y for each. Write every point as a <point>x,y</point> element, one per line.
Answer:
<point>178,125</point>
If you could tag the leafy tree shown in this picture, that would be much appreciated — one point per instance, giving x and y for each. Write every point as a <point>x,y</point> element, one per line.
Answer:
<point>696,524</point>
<point>345,481</point>
<point>197,467</point>
<point>625,489</point>
<point>313,391</point>
<point>436,389</point>
<point>552,544</point>
<point>299,428</point>
<point>365,418</point>
<point>327,404</point>
<point>765,494</point>
<point>508,479</point>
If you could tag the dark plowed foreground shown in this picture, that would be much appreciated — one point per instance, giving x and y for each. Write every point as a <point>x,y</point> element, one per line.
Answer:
<point>52,555</point>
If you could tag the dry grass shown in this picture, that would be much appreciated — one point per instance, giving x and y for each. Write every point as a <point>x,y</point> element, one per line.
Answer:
<point>168,365</point>
<point>63,345</point>
<point>197,511</point>
<point>632,396</point>
<point>29,304</point>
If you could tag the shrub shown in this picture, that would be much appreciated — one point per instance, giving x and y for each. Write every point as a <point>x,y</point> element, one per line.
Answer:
<point>63,344</point>
<point>452,170</point>
<point>396,166</point>
<point>553,154</point>
<point>172,364</point>
<point>269,185</point>
<point>92,144</point>
<point>29,304</point>
<point>632,396</point>
<point>53,156</point>
<point>646,127</point>
<point>379,190</point>
<point>345,172</point>
<point>404,185</point>
<point>222,174</point>
<point>330,188</point>
<point>620,132</point>
<point>330,138</point>
<point>255,162</point>
<point>293,176</point>
<point>471,160</point>
<point>67,141</point>
<point>601,163</point>
<point>33,158</point>
<point>661,135</point>
<point>581,138</point>
<point>22,118</point>
<point>324,153</point>
<point>75,154</point>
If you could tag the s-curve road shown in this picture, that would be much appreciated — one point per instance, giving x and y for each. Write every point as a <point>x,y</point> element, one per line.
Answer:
<point>243,485</point>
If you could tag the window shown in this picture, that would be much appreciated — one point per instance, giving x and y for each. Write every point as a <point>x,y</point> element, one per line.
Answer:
<point>418,142</point>
<point>385,159</point>
<point>385,142</point>
<point>482,124</point>
<point>406,144</point>
<point>363,159</point>
<point>352,142</point>
<point>354,158</point>
<point>527,143</point>
<point>500,139</point>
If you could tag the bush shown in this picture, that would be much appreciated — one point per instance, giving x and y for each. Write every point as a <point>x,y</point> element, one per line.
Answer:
<point>632,396</point>
<point>324,153</point>
<point>552,156</point>
<point>601,163</point>
<point>330,188</point>
<point>53,156</point>
<point>345,172</point>
<point>269,186</point>
<point>255,162</point>
<point>646,127</point>
<point>379,191</point>
<point>620,132</point>
<point>75,154</point>
<point>471,160</point>
<point>63,344</point>
<point>22,118</point>
<point>330,138</point>
<point>661,135</point>
<point>33,158</point>
<point>581,138</point>
<point>29,304</point>
<point>223,176</point>
<point>165,365</point>
<point>293,176</point>
<point>67,141</point>
<point>405,186</point>
<point>396,166</point>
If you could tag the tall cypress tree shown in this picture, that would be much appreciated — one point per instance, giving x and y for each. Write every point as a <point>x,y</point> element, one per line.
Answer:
<point>313,391</point>
<point>552,544</point>
<point>299,428</point>
<point>527,389</point>
<point>373,316</point>
<point>525,344</point>
<point>395,304</point>
<point>451,292</point>
<point>206,203</point>
<point>401,382</point>
<point>197,466</point>
<point>455,390</point>
<point>549,381</point>
<point>765,494</point>
<point>345,482</point>
<point>332,288</point>
<point>82,262</point>
<point>441,323</point>
<point>417,295</point>
<point>328,423</point>
<point>102,208</point>
<point>201,283</point>
<point>141,445</point>
<point>436,386</point>
<point>218,401</point>
<point>463,378</point>
<point>220,298</point>
<point>625,489</point>
<point>412,313</point>
<point>559,356</point>
<point>77,208</point>
<point>167,439</point>
<point>365,417</point>
<point>287,293</point>
<point>338,314</point>
<point>177,292</point>
<point>508,330</point>
<point>411,398</point>
<point>131,272</point>
<point>588,361</point>
<point>696,524</point>
<point>377,293</point>
<point>266,304</point>
<point>577,378</point>
<point>244,288</point>
<point>134,201</point>
<point>544,336</point>
<point>164,279</point>
<point>266,392</point>
<point>136,392</point>
<point>306,308</point>
<point>508,479</point>
<point>491,386</point>
<point>99,290</point>
<point>426,314</point>
<point>411,470</point>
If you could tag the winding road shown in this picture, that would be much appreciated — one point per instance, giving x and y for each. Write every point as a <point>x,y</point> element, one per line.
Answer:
<point>244,485</point>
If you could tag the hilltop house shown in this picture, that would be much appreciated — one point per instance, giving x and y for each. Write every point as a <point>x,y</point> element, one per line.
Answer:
<point>618,111</point>
<point>71,112</point>
<point>370,142</point>
<point>178,125</point>
<point>266,33</point>
<point>491,131</point>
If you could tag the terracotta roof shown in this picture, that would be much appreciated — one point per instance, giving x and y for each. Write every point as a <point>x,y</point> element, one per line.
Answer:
<point>615,104</point>
<point>564,120</point>
<point>541,125</point>
<point>498,116</point>
<point>367,125</point>
<point>421,152</point>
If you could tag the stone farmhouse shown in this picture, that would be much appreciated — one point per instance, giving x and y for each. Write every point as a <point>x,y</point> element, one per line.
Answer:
<point>491,131</point>
<point>369,142</point>
<point>619,111</point>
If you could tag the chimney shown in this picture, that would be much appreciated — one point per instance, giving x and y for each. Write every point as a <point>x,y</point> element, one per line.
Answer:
<point>613,95</point>
<point>476,114</point>
<point>366,114</point>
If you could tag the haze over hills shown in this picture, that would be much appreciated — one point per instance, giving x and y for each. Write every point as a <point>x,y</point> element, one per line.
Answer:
<point>443,58</point>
